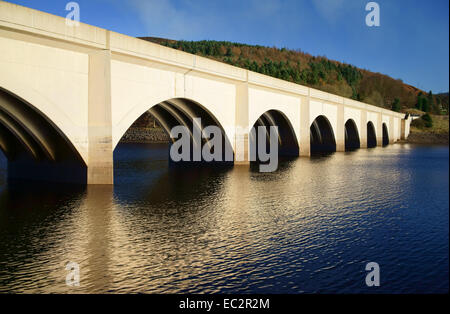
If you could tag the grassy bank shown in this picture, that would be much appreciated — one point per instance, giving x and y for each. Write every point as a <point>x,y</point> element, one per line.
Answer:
<point>436,134</point>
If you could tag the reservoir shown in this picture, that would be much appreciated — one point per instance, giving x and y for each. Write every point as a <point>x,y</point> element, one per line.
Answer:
<point>310,227</point>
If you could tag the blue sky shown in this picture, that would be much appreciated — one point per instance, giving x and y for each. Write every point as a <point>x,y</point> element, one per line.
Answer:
<point>412,42</point>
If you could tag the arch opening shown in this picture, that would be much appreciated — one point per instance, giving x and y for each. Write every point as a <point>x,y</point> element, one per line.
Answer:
<point>352,141</point>
<point>385,135</point>
<point>287,143</point>
<point>322,138</point>
<point>371,135</point>
<point>35,148</point>
<point>154,127</point>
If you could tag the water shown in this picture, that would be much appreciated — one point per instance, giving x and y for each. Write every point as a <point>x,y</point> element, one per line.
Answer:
<point>310,227</point>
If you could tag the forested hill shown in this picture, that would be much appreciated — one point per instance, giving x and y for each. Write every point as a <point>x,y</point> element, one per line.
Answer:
<point>317,72</point>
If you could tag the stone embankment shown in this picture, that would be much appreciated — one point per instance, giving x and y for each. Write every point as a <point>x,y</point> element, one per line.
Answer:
<point>145,135</point>
<point>428,138</point>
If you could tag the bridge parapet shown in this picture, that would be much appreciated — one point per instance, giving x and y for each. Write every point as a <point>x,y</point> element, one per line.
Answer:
<point>19,18</point>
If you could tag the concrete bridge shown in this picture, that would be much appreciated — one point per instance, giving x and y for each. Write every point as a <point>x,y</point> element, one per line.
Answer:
<point>69,93</point>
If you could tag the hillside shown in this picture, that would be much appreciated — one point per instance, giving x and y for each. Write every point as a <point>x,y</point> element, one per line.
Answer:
<point>317,72</point>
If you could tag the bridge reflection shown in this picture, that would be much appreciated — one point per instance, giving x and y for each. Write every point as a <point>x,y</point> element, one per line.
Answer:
<point>185,231</point>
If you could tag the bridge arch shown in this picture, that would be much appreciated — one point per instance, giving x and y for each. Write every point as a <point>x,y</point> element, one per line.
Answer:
<point>322,137</point>
<point>385,135</point>
<point>352,140</point>
<point>184,112</point>
<point>371,135</point>
<point>34,145</point>
<point>287,139</point>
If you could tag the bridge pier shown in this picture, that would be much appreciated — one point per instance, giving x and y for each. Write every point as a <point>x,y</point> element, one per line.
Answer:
<point>363,131</point>
<point>340,132</point>
<point>100,148</point>
<point>391,131</point>
<point>241,155</point>
<point>379,130</point>
<point>305,132</point>
<point>404,131</point>
<point>241,135</point>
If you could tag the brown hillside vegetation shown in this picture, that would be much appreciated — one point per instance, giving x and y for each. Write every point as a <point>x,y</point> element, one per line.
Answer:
<point>317,72</point>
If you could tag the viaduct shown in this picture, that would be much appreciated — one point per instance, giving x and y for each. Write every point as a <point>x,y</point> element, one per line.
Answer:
<point>69,93</point>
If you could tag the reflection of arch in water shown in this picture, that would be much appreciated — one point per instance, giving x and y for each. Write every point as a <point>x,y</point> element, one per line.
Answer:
<point>35,147</point>
<point>322,136</point>
<point>287,140</point>
<point>351,135</point>
<point>181,185</point>
<point>371,135</point>
<point>182,112</point>
<point>385,135</point>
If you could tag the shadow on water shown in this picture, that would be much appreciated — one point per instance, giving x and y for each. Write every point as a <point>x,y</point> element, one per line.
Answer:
<point>318,155</point>
<point>149,175</point>
<point>29,214</point>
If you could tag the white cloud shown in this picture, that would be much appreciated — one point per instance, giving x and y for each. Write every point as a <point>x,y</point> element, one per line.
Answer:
<point>264,8</point>
<point>163,19</point>
<point>196,19</point>
<point>332,10</point>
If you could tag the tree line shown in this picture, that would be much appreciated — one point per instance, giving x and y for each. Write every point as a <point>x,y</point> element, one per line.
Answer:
<point>318,72</point>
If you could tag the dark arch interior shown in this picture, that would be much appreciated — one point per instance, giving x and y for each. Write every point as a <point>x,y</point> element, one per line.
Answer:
<point>371,135</point>
<point>287,141</point>
<point>35,148</point>
<point>385,135</point>
<point>182,112</point>
<point>351,136</point>
<point>322,137</point>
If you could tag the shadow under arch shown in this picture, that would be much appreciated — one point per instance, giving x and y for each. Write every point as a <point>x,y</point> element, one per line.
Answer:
<point>322,138</point>
<point>385,135</point>
<point>371,135</point>
<point>352,141</point>
<point>183,112</point>
<point>287,140</point>
<point>36,149</point>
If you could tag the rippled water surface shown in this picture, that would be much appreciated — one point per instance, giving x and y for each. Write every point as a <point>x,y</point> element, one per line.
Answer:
<point>310,227</point>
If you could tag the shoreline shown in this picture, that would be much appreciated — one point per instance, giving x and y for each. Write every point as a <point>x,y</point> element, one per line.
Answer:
<point>428,138</point>
<point>437,134</point>
<point>145,135</point>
